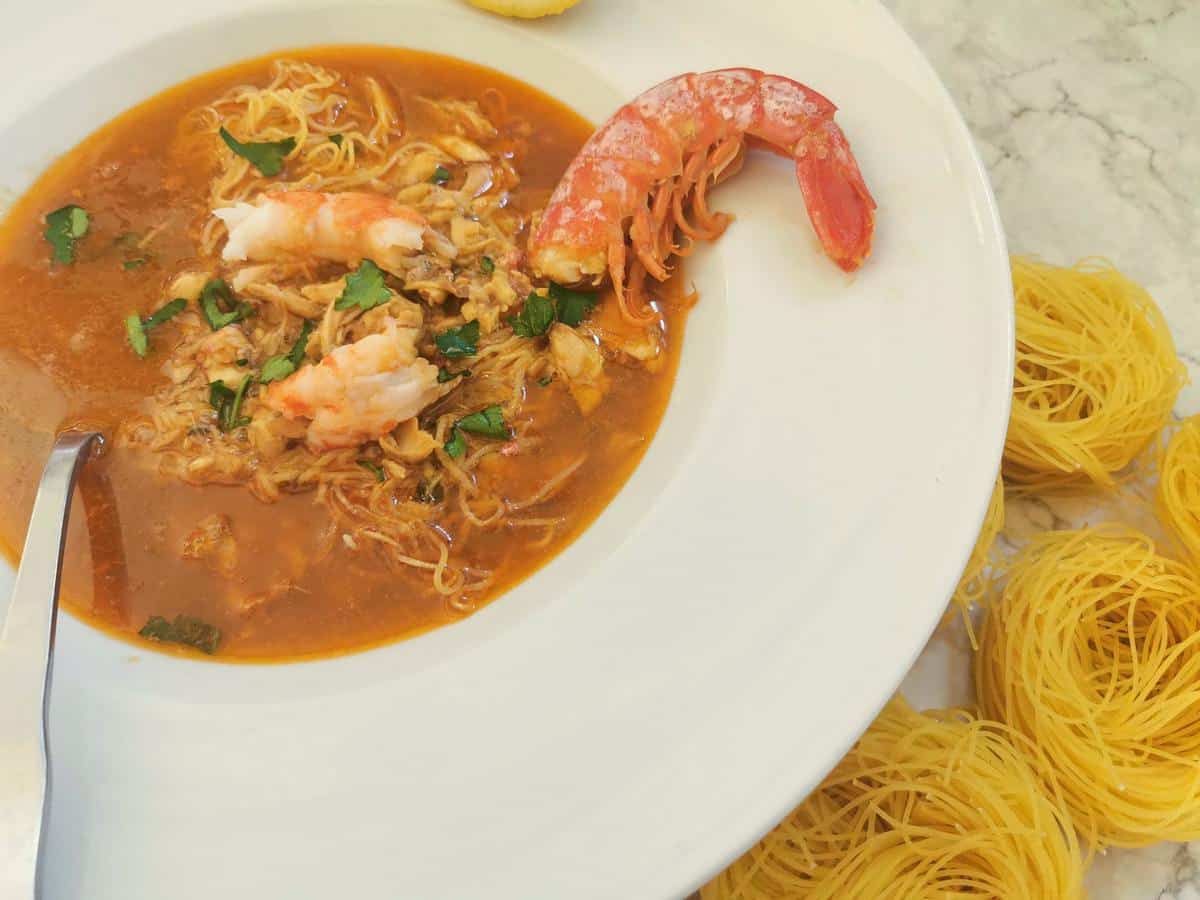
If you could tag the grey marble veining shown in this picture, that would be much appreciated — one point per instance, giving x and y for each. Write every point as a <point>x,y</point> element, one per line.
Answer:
<point>1087,114</point>
<point>1088,118</point>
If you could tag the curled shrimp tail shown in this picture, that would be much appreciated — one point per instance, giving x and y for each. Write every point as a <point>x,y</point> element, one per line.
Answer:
<point>839,205</point>
<point>636,196</point>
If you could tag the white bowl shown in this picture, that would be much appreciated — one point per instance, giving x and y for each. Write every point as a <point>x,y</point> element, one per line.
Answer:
<point>641,710</point>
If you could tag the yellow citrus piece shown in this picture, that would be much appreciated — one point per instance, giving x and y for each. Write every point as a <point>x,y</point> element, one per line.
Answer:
<point>524,9</point>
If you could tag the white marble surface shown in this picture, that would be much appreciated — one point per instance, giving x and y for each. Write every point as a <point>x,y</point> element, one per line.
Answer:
<point>1087,115</point>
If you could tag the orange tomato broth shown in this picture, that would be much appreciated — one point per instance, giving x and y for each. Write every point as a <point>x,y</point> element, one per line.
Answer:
<point>65,362</point>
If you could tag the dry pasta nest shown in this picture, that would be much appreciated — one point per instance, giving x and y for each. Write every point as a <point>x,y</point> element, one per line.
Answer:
<point>926,805</point>
<point>1093,654</point>
<point>1095,377</point>
<point>976,580</point>
<point>1179,486</point>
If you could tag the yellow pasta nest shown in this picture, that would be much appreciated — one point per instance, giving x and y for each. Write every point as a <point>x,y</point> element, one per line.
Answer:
<point>525,9</point>
<point>1095,378</point>
<point>1093,654</point>
<point>926,805</point>
<point>973,585</point>
<point>1179,486</point>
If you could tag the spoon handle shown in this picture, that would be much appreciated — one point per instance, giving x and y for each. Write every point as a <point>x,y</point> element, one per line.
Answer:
<point>26,644</point>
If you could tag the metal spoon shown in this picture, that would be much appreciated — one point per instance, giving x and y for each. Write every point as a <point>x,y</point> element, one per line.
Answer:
<point>26,646</point>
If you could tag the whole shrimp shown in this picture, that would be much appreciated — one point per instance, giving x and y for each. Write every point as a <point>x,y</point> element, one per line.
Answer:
<point>344,227</point>
<point>651,165</point>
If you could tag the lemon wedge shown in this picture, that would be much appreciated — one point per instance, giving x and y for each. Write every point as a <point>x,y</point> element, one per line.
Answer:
<point>525,9</point>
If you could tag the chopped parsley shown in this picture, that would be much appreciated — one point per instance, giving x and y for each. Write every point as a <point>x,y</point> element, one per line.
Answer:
<point>136,332</point>
<point>336,139</point>
<point>266,156</point>
<point>445,374</point>
<point>137,328</point>
<point>545,380</point>
<point>184,630</point>
<point>131,264</point>
<point>536,317</point>
<point>455,343</point>
<point>539,313</point>
<point>364,288</point>
<point>166,312</point>
<point>64,228</point>
<point>487,265</point>
<point>280,367</point>
<point>375,469</point>
<point>440,175</point>
<point>457,445</point>
<point>276,368</point>
<point>228,403</point>
<point>488,422</point>
<point>220,307</point>
<point>572,307</point>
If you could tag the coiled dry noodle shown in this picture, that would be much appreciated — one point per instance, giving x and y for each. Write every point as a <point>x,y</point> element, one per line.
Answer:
<point>974,584</point>
<point>1096,374</point>
<point>1178,495</point>
<point>1093,654</point>
<point>927,805</point>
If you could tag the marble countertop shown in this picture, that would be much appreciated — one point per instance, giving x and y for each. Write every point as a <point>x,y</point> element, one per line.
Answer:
<point>1087,115</point>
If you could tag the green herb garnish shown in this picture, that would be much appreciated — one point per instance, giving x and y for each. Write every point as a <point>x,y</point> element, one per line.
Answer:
<point>219,394</point>
<point>364,288</point>
<point>136,332</point>
<point>64,227</point>
<point>184,630</point>
<point>457,445</point>
<point>440,175</point>
<point>165,312</point>
<point>536,317</point>
<point>279,367</point>
<point>130,264</point>
<point>545,380</point>
<point>336,139</point>
<point>375,469</point>
<point>242,363</point>
<point>266,156</point>
<point>137,328</point>
<point>445,374</point>
<point>488,422</point>
<point>220,306</point>
<point>276,368</point>
<point>572,307</point>
<point>487,265</point>
<point>228,403</point>
<point>455,343</point>
<point>539,313</point>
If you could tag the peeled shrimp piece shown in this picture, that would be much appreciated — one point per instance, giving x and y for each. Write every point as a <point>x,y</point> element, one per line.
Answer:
<point>580,362</point>
<point>359,391</point>
<point>345,227</point>
<point>628,341</point>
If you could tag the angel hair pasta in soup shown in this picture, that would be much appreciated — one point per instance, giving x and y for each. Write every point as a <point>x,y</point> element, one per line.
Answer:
<point>341,407</point>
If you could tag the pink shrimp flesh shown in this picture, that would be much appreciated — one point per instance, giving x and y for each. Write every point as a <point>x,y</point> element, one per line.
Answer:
<point>648,168</point>
<point>359,391</point>
<point>345,227</point>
